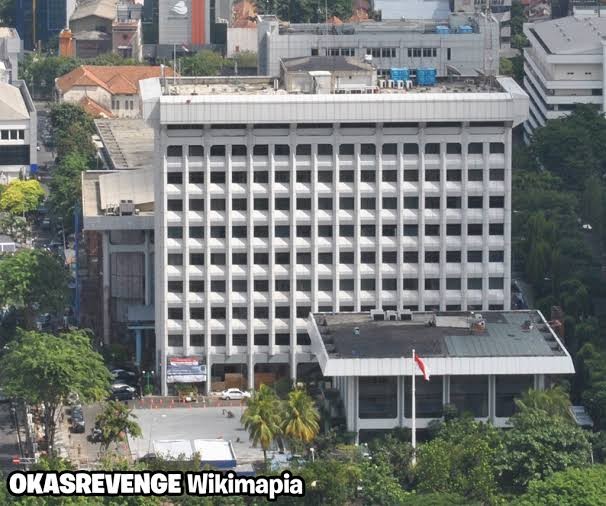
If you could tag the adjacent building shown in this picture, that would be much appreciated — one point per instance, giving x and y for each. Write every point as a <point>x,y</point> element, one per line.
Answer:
<point>105,90</point>
<point>563,66</point>
<point>11,49</point>
<point>39,21</point>
<point>461,45</point>
<point>478,363</point>
<point>271,203</point>
<point>18,132</point>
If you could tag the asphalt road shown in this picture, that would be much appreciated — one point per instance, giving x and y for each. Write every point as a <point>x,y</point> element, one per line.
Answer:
<point>8,439</point>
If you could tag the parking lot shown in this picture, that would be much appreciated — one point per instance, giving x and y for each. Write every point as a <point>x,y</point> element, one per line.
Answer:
<point>193,423</point>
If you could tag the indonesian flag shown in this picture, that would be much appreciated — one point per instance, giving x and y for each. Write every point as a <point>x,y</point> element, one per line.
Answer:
<point>422,366</point>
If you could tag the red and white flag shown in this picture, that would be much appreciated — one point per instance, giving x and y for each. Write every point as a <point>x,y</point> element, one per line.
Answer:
<point>422,366</point>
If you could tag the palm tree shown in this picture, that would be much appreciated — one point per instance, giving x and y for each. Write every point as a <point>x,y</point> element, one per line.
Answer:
<point>553,401</point>
<point>262,418</point>
<point>116,421</point>
<point>301,417</point>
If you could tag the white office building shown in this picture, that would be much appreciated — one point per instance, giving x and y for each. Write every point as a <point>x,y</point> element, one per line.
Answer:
<point>463,44</point>
<point>563,66</point>
<point>270,205</point>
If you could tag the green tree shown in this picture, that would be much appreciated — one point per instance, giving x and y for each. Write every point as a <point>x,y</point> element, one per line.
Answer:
<point>397,451</point>
<point>591,367</point>
<point>552,402</point>
<point>44,369</point>
<point>262,418</point>
<point>539,445</point>
<point>40,72</point>
<point>116,421</point>
<point>15,227</point>
<point>572,487</point>
<point>34,280</point>
<point>460,461</point>
<point>21,197</point>
<point>63,115</point>
<point>7,13</point>
<point>506,67</point>
<point>301,417</point>
<point>203,63</point>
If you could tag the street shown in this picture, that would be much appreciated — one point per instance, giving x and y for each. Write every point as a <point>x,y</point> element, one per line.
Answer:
<point>9,446</point>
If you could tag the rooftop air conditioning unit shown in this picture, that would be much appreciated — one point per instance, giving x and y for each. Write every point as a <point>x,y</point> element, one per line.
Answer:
<point>377,315</point>
<point>406,315</point>
<point>127,208</point>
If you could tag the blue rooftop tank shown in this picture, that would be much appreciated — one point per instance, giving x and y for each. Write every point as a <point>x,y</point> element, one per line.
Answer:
<point>442,29</point>
<point>465,29</point>
<point>399,74</point>
<point>426,76</point>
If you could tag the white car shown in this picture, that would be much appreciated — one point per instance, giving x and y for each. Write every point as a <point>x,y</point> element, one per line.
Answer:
<point>234,394</point>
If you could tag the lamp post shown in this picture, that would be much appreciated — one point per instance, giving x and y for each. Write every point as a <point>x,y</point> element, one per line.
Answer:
<point>148,375</point>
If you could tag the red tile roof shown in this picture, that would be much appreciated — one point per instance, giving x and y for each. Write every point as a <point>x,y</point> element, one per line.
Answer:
<point>95,109</point>
<point>116,79</point>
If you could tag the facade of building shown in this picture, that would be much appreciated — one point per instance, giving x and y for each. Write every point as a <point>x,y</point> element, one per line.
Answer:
<point>412,44</point>
<point>478,363</point>
<point>127,35</point>
<point>93,16</point>
<point>270,205</point>
<point>11,49</point>
<point>184,22</point>
<point>563,66</point>
<point>18,132</point>
<point>113,89</point>
<point>39,21</point>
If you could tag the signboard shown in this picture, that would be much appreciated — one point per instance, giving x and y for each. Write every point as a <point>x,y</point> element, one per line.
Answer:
<point>175,22</point>
<point>185,370</point>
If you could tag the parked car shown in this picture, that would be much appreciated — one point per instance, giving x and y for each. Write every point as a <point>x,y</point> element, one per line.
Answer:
<point>77,418</point>
<point>125,376</point>
<point>122,392</point>
<point>234,394</point>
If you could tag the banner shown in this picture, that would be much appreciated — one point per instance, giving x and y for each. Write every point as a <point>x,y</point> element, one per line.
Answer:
<point>185,370</point>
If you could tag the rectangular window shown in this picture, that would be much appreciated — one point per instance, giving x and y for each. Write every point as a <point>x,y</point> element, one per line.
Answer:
<point>325,204</point>
<point>474,283</point>
<point>196,177</point>
<point>218,339</point>
<point>196,339</point>
<point>496,229</point>
<point>411,257</point>
<point>175,313</point>
<point>282,231</point>
<point>474,229</point>
<point>495,283</point>
<point>282,285</point>
<point>367,257</point>
<point>217,177</point>
<point>175,340</point>
<point>390,176</point>
<point>239,285</point>
<point>303,231</point>
<point>346,176</point>
<point>261,312</point>
<point>411,202</point>
<point>411,230</point>
<point>432,257</point>
<point>432,230</point>
<point>390,257</point>
<point>346,257</point>
<point>475,175</point>
<point>239,204</point>
<point>217,285</point>
<point>432,283</point>
<point>217,258</point>
<point>496,256</point>
<point>282,176</point>
<point>474,256</point>
<point>475,202</point>
<point>261,285</point>
<point>282,258</point>
<point>196,313</point>
<point>303,204</point>
<point>432,202</point>
<point>282,204</point>
<point>453,283</point>
<point>171,204</point>
<point>261,176</point>
<point>389,284</point>
<point>175,286</point>
<point>304,285</point>
<point>453,202</point>
<point>432,175</point>
<point>497,202</point>
<point>174,232</point>
<point>304,258</point>
<point>196,259</point>
<point>325,285</point>
<point>261,259</point>
<point>390,203</point>
<point>411,176</point>
<point>174,178</point>
<point>410,284</point>
<point>324,230</point>
<point>217,204</point>
<point>325,258</point>
<point>239,177</point>
<point>175,259</point>
<point>261,204</point>
<point>346,230</point>
<point>496,174</point>
<point>453,257</point>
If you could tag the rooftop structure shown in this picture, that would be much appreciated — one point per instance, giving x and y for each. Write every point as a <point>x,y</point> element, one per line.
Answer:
<point>11,48</point>
<point>128,143</point>
<point>564,65</point>
<point>413,9</point>
<point>479,362</point>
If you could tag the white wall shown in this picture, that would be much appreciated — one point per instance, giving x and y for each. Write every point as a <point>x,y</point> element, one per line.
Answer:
<point>241,39</point>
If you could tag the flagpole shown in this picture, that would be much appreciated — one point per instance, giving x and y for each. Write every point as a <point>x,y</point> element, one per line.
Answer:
<point>414,412</point>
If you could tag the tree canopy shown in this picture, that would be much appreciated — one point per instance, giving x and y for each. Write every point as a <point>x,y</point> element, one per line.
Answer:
<point>43,368</point>
<point>116,421</point>
<point>21,197</point>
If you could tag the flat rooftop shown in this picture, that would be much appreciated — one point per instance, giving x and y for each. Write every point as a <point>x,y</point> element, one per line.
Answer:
<point>448,334</point>
<point>128,143</point>
<point>571,35</point>
<point>212,86</point>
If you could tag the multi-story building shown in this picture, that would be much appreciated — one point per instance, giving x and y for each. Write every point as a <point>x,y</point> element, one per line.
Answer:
<point>39,21</point>
<point>463,44</point>
<point>563,66</point>
<point>11,49</point>
<point>270,205</point>
<point>18,132</point>
<point>479,363</point>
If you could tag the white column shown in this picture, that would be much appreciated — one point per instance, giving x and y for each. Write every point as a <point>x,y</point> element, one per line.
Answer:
<point>508,223</point>
<point>485,223</point>
<point>443,239</point>
<point>357,228</point>
<point>421,218</point>
<point>207,332</point>
<point>603,75</point>
<point>106,287</point>
<point>464,183</point>
<point>185,250</point>
<point>293,252</point>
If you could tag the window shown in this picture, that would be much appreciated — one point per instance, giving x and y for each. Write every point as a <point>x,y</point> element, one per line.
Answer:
<point>303,150</point>
<point>261,204</point>
<point>367,284</point>
<point>411,175</point>
<point>390,149</point>
<point>378,397</point>
<point>370,230</point>
<point>497,202</point>
<point>453,202</point>
<point>346,176</point>
<point>325,285</point>
<point>283,339</point>
<point>496,229</point>
<point>174,232</point>
<point>196,177</point>
<point>304,285</point>
<point>432,202</point>
<point>432,283</point>
<point>261,176</point>
<point>325,204</point>
<point>475,148</point>
<point>217,177</point>
<point>282,311</point>
<point>389,284</point>
<point>390,176</point>
<point>496,256</point>
<point>388,52</point>
<point>475,202</point>
<point>261,285</point>
<point>282,285</point>
<point>239,339</point>
<point>496,174</point>
<point>411,230</point>
<point>453,148</point>
<point>217,204</point>
<point>474,283</point>
<point>281,150</point>
<point>239,177</point>
<point>196,204</point>
<point>474,256</point>
<point>239,285</point>
<point>432,257</point>
<point>282,204</point>
<point>303,204</point>
<point>171,204</point>
<point>239,231</point>
<point>390,203</point>
<point>260,150</point>
<point>217,232</point>
<point>175,313</point>
<point>282,176</point>
<point>497,147</point>
<point>453,175</point>
<point>469,394</point>
<point>238,150</point>
<point>239,204</point>
<point>475,175</point>
<point>217,259</point>
<point>175,340</point>
<point>196,313</point>
<point>196,339</point>
<point>196,259</point>
<point>453,283</point>
<point>367,257</point>
<point>448,53</point>
<point>410,284</point>
<point>368,176</point>
<point>170,150</point>
<point>325,258</point>
<point>453,257</point>
<point>346,230</point>
<point>324,176</point>
<point>304,258</point>
<point>303,176</point>
<point>507,389</point>
<point>261,312</point>
<point>303,311</point>
<point>303,231</point>
<point>390,257</point>
<point>218,339</point>
<point>346,149</point>
<point>346,257</point>
<point>196,151</point>
<point>432,230</point>
<point>432,148</point>
<point>325,231</point>
<point>411,202</point>
<point>175,259</point>
<point>411,257</point>
<point>495,283</point>
<point>325,149</point>
<point>217,150</point>
<point>261,259</point>
<point>217,285</point>
<point>282,231</point>
<point>174,178</point>
<point>196,232</point>
<point>474,229</point>
<point>282,258</point>
<point>432,175</point>
<point>175,286</point>
<point>346,284</point>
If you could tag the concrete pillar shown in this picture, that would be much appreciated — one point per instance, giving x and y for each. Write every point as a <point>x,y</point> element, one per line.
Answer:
<point>603,75</point>
<point>106,287</point>
<point>149,272</point>
<point>491,397</point>
<point>351,413</point>
<point>209,365</point>
<point>401,400</point>
<point>138,346</point>
<point>539,382</point>
<point>251,372</point>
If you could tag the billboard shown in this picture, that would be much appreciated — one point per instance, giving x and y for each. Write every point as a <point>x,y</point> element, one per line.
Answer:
<point>185,370</point>
<point>175,22</point>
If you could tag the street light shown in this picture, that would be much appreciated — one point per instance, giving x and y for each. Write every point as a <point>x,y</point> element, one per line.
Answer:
<point>148,375</point>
